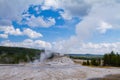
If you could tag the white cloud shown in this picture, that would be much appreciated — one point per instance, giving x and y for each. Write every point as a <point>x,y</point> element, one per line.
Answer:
<point>40,22</point>
<point>31,33</point>
<point>75,47</point>
<point>50,3</point>
<point>73,8</point>
<point>67,46</point>
<point>3,36</point>
<point>43,44</point>
<point>10,30</point>
<point>66,15</point>
<point>94,11</point>
<point>64,46</point>
<point>28,43</point>
<point>11,11</point>
<point>100,47</point>
<point>104,27</point>
<point>96,16</point>
<point>102,16</point>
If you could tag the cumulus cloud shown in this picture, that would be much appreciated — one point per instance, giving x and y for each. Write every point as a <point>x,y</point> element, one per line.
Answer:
<point>64,46</point>
<point>99,47</point>
<point>104,27</point>
<point>43,44</point>
<point>40,22</point>
<point>3,36</point>
<point>94,13</point>
<point>10,30</point>
<point>11,11</point>
<point>73,8</point>
<point>103,15</point>
<point>75,47</point>
<point>96,16</point>
<point>30,33</point>
<point>28,43</point>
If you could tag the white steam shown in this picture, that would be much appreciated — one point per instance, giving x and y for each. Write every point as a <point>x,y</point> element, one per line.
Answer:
<point>44,55</point>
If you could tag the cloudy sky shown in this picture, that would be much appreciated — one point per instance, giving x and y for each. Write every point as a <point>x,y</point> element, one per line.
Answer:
<point>67,26</point>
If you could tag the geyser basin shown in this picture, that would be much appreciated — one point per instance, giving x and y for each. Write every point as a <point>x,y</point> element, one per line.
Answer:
<point>70,72</point>
<point>59,60</point>
<point>48,58</point>
<point>56,67</point>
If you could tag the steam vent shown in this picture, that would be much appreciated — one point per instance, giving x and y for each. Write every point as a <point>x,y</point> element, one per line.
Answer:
<point>58,59</point>
<point>52,58</point>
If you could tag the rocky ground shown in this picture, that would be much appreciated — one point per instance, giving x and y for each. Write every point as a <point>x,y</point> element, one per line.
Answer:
<point>57,69</point>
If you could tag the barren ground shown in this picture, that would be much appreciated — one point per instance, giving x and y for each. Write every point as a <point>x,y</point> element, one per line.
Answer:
<point>60,68</point>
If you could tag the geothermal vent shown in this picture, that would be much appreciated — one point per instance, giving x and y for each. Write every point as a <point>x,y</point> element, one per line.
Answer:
<point>57,59</point>
<point>48,58</point>
<point>60,60</point>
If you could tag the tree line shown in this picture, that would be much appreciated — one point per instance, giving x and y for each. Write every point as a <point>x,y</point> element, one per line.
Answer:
<point>93,61</point>
<point>15,55</point>
<point>109,59</point>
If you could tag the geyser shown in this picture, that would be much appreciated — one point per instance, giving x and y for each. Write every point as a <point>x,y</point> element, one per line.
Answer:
<point>49,58</point>
<point>46,54</point>
<point>53,58</point>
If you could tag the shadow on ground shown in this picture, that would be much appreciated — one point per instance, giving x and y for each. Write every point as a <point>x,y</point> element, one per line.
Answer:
<point>108,77</point>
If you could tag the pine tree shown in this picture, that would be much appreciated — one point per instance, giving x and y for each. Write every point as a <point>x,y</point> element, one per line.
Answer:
<point>88,63</point>
<point>84,63</point>
<point>99,61</point>
<point>111,59</point>
<point>94,62</point>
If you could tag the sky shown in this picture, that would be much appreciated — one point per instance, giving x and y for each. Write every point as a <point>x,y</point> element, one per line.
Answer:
<point>65,26</point>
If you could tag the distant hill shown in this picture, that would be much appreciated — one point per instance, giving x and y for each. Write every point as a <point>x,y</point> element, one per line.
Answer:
<point>18,54</point>
<point>85,56</point>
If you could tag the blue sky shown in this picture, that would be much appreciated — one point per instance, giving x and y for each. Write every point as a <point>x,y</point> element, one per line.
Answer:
<point>66,26</point>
